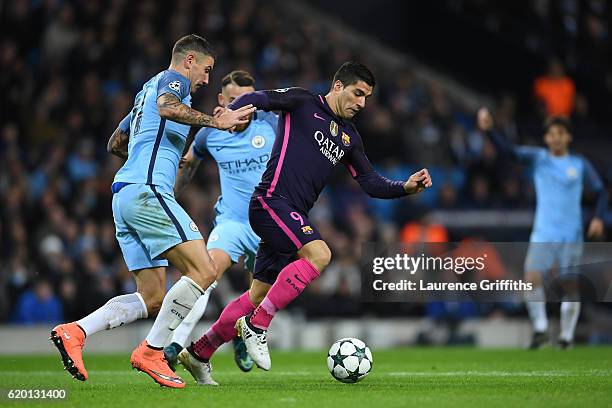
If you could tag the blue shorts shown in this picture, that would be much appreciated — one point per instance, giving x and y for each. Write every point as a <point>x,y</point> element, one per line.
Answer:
<point>236,238</point>
<point>148,222</point>
<point>283,229</point>
<point>543,256</point>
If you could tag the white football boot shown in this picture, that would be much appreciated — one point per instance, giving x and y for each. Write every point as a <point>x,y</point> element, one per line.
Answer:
<point>256,343</point>
<point>201,371</point>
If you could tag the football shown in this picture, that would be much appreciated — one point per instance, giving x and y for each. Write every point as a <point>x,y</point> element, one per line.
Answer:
<point>349,360</point>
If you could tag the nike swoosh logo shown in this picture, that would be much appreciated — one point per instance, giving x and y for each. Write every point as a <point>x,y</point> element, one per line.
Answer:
<point>175,380</point>
<point>219,148</point>
<point>181,305</point>
<point>316,115</point>
<point>299,280</point>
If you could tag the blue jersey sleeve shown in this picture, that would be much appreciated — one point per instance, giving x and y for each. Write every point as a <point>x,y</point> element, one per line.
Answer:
<point>124,125</point>
<point>528,154</point>
<point>174,83</point>
<point>506,148</point>
<point>199,142</point>
<point>269,117</point>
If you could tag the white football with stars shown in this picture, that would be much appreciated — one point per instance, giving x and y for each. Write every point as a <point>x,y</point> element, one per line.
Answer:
<point>349,360</point>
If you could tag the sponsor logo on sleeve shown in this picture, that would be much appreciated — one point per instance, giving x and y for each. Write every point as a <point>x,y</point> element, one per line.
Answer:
<point>175,86</point>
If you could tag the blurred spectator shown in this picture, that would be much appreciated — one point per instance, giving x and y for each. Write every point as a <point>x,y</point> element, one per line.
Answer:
<point>556,91</point>
<point>423,230</point>
<point>38,305</point>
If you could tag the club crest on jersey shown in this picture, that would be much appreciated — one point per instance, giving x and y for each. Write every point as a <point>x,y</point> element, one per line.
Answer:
<point>306,229</point>
<point>572,173</point>
<point>346,139</point>
<point>258,141</point>
<point>175,86</point>
<point>193,226</point>
<point>333,128</point>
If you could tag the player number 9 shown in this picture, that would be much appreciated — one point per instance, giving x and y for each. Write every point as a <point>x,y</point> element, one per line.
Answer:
<point>297,217</point>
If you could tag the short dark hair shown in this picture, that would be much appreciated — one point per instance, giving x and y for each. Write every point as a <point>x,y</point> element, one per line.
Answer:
<point>192,42</point>
<point>558,121</point>
<point>352,71</point>
<point>238,77</point>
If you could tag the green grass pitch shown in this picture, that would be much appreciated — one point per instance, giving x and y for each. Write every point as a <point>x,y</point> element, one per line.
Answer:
<point>420,377</point>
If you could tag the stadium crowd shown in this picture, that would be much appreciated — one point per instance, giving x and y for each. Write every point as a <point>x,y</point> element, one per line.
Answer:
<point>69,73</point>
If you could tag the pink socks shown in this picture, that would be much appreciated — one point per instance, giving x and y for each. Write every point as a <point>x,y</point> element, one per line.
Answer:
<point>291,281</point>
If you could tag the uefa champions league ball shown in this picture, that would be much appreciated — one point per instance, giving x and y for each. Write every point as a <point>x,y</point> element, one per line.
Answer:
<point>349,360</point>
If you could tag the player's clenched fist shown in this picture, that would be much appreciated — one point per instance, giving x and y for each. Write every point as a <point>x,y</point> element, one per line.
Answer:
<point>484,120</point>
<point>418,182</point>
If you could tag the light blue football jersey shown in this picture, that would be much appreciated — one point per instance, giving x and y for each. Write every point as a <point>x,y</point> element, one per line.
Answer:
<point>559,182</point>
<point>156,144</point>
<point>241,159</point>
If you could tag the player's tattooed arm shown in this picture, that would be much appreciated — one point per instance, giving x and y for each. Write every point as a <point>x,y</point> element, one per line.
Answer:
<point>171,108</point>
<point>118,143</point>
<point>187,168</point>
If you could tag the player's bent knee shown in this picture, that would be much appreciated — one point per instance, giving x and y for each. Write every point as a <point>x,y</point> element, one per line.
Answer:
<point>203,275</point>
<point>320,258</point>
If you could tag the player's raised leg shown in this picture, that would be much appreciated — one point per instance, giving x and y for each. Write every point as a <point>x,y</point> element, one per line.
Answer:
<point>291,282</point>
<point>69,338</point>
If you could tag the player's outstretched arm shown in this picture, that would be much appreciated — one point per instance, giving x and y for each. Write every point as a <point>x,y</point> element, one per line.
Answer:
<point>118,142</point>
<point>484,120</point>
<point>170,107</point>
<point>286,99</point>
<point>187,168</point>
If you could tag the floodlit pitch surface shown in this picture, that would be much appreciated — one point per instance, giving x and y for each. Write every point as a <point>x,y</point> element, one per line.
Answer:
<point>420,377</point>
